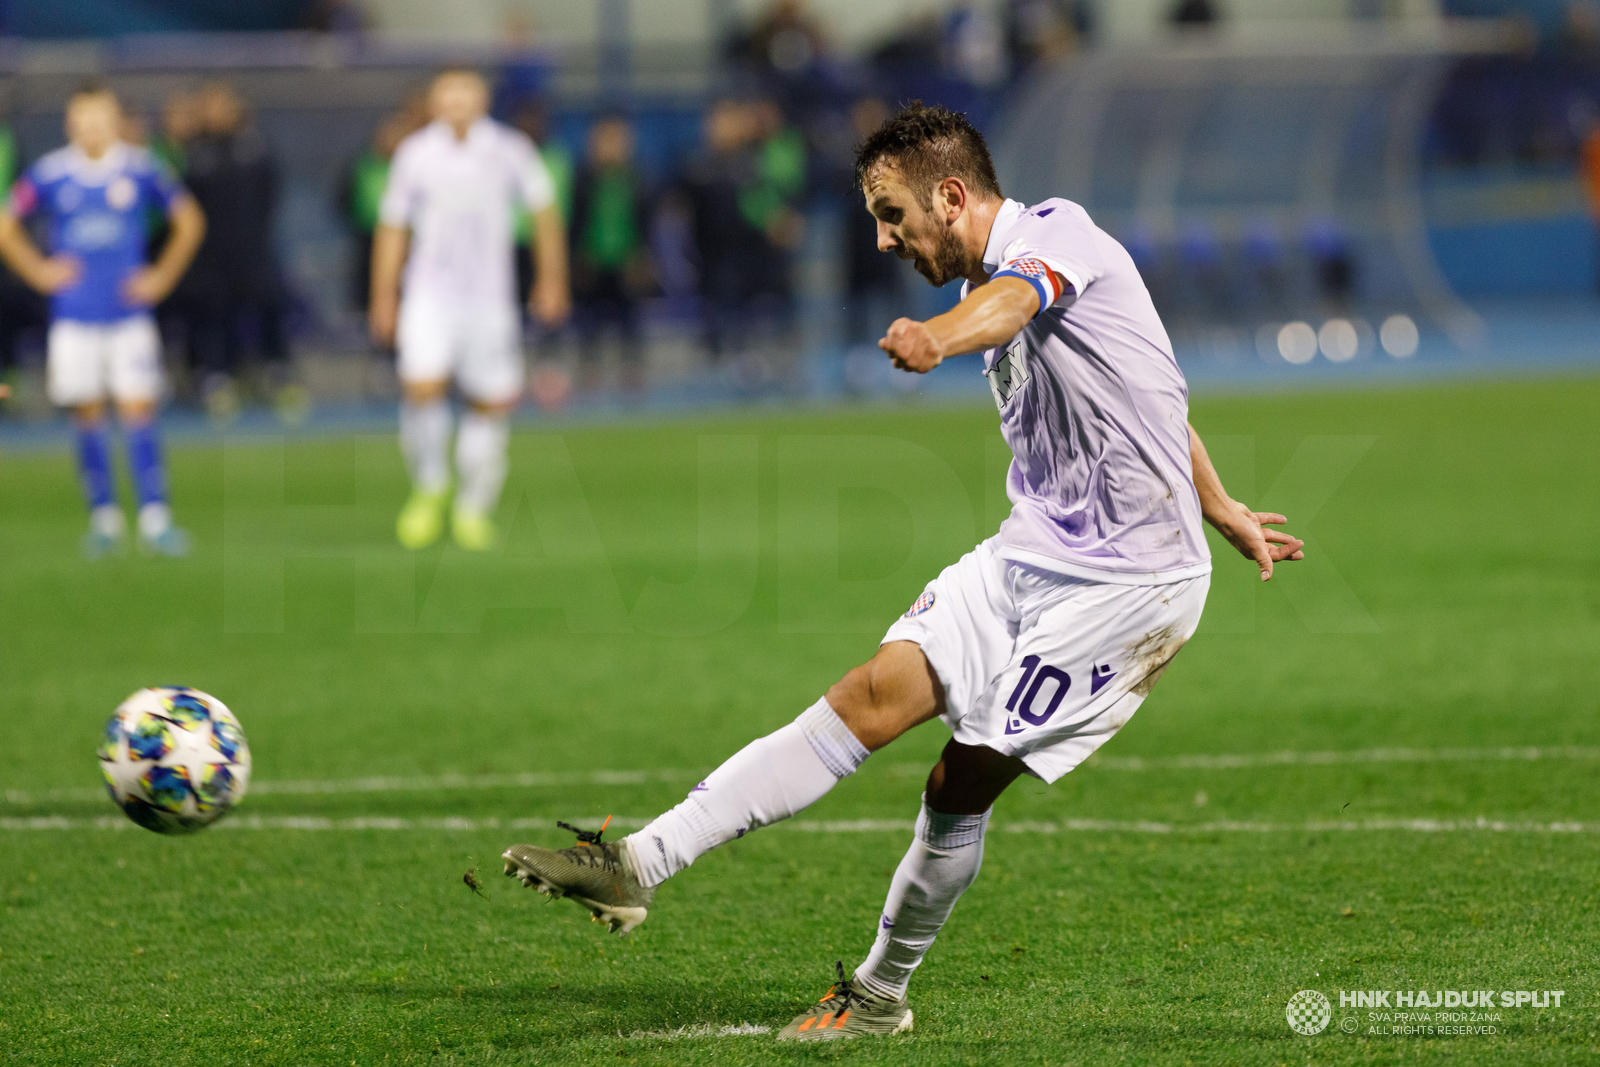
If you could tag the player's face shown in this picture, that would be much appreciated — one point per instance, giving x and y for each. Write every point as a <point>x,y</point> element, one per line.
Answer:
<point>912,230</point>
<point>459,99</point>
<point>93,121</point>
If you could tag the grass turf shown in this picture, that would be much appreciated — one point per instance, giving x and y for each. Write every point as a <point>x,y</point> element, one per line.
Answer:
<point>1453,600</point>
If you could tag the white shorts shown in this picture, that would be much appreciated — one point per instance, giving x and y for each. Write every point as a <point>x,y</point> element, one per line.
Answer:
<point>1040,665</point>
<point>479,345</point>
<point>88,361</point>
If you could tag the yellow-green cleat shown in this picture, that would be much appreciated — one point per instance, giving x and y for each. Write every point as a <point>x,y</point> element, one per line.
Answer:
<point>594,873</point>
<point>421,520</point>
<point>846,1011</point>
<point>473,532</point>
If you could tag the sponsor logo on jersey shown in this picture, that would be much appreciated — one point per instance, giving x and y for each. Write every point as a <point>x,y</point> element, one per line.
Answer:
<point>120,193</point>
<point>1009,373</point>
<point>924,602</point>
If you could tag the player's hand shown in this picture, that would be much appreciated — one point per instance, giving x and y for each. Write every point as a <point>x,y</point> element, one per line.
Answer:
<point>911,347</point>
<point>550,302</point>
<point>1247,531</point>
<point>383,317</point>
<point>55,274</point>
<point>146,287</point>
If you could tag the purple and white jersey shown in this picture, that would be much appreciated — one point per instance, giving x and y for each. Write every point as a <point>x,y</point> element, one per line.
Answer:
<point>1093,407</point>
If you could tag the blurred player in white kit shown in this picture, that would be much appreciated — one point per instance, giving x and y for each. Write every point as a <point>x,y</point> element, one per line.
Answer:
<point>448,218</point>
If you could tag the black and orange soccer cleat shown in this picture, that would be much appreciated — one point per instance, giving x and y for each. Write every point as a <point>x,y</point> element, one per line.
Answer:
<point>594,873</point>
<point>846,1011</point>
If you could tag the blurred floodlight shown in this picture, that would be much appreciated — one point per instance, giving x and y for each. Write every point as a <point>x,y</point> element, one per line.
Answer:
<point>1267,340</point>
<point>1297,342</point>
<point>1399,336</point>
<point>1338,340</point>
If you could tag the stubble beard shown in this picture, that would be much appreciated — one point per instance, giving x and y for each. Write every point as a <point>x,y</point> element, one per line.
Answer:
<point>946,262</point>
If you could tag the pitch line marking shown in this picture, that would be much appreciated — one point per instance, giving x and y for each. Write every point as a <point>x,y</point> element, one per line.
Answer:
<point>848,826</point>
<point>540,779</point>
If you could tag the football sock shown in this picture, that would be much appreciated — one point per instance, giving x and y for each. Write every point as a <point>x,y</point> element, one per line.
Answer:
<point>481,461</point>
<point>94,464</point>
<point>154,520</point>
<point>942,862</point>
<point>144,459</point>
<point>107,520</point>
<point>766,781</point>
<point>425,442</point>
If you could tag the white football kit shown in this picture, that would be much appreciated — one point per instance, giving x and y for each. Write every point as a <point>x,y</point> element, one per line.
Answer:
<point>1048,636</point>
<point>459,311</point>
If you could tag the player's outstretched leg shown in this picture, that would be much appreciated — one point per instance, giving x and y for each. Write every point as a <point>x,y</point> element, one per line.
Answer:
<point>941,863</point>
<point>481,446</point>
<point>107,526</point>
<point>425,443</point>
<point>768,780</point>
<point>157,533</point>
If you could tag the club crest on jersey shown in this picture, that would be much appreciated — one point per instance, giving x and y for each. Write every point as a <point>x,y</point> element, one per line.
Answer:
<point>1009,374</point>
<point>120,193</point>
<point>924,602</point>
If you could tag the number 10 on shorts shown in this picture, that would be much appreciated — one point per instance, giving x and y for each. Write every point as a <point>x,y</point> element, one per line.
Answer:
<point>1027,706</point>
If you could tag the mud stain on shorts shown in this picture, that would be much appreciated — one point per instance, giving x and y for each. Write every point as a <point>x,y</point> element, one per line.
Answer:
<point>1151,654</point>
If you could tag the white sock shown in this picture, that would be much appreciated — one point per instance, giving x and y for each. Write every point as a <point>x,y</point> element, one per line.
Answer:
<point>107,520</point>
<point>766,781</point>
<point>481,461</point>
<point>942,862</point>
<point>154,519</point>
<point>425,442</point>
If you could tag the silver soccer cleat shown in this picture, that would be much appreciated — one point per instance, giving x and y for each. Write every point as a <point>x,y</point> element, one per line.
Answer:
<point>593,873</point>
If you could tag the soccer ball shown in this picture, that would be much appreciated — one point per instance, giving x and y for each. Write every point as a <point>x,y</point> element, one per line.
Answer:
<point>174,759</point>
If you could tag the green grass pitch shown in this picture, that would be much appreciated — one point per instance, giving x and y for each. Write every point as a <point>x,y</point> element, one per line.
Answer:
<point>666,593</point>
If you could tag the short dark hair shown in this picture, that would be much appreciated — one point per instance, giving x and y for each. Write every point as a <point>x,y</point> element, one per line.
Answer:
<point>927,145</point>
<point>93,87</point>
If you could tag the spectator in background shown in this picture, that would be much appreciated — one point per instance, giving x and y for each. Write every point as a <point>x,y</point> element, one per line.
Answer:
<point>1040,30</point>
<point>728,247</point>
<point>1194,13</point>
<point>1589,164</point>
<point>610,267</point>
<point>180,121</point>
<point>21,307</point>
<point>235,288</point>
<point>533,119</point>
<point>363,191</point>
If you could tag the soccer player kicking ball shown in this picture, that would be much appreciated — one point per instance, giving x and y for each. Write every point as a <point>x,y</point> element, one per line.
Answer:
<point>97,193</point>
<point>452,193</point>
<point>1036,646</point>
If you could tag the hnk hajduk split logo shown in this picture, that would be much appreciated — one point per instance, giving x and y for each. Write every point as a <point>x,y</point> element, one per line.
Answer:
<point>1308,1012</point>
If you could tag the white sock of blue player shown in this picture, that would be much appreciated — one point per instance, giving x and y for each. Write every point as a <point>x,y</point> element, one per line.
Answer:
<point>149,479</point>
<point>765,782</point>
<point>94,471</point>
<point>481,461</point>
<point>425,442</point>
<point>942,862</point>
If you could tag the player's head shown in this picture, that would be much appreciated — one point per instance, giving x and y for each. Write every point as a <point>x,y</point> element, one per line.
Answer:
<point>94,119</point>
<point>611,142</point>
<point>921,171</point>
<point>458,97</point>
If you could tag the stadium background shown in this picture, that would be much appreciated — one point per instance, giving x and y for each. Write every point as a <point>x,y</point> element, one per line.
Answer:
<point>1376,772</point>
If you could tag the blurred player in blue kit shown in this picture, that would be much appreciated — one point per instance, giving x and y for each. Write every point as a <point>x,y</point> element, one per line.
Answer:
<point>96,194</point>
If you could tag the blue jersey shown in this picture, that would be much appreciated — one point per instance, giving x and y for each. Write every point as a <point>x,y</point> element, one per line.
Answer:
<point>97,210</point>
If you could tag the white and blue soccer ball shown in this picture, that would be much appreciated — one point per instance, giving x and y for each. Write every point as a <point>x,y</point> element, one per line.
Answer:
<point>174,759</point>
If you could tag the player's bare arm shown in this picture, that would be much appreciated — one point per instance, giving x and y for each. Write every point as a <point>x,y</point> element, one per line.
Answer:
<point>45,274</point>
<point>1245,529</point>
<point>990,315</point>
<point>150,285</point>
<point>551,299</point>
<point>389,245</point>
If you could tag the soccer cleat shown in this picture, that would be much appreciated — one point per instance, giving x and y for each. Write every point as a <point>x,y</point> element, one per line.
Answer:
<point>172,541</point>
<point>593,873</point>
<point>845,1012</point>
<point>98,544</point>
<point>421,520</point>
<point>475,533</point>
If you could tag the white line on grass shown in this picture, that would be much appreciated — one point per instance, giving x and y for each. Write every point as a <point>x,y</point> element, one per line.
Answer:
<point>851,826</point>
<point>700,1030</point>
<point>540,779</point>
